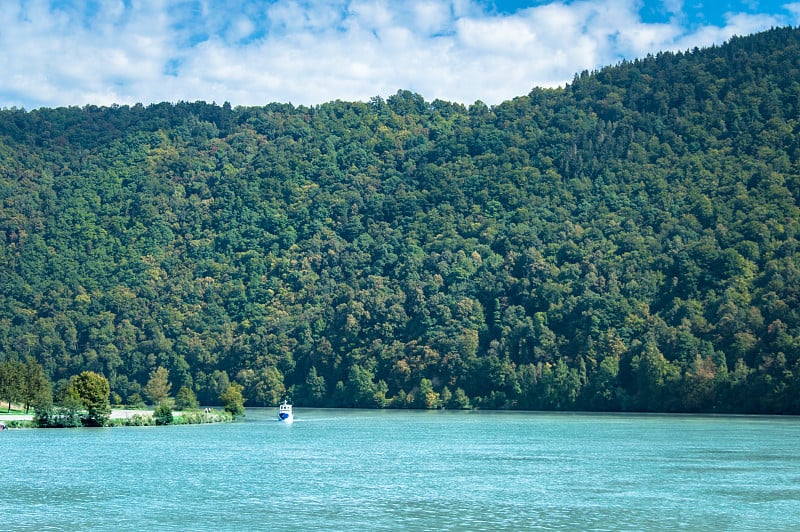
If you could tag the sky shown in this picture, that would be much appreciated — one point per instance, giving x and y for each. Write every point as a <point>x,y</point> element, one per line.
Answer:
<point>306,52</point>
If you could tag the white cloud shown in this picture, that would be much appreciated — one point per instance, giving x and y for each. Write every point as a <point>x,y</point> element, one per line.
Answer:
<point>307,51</point>
<point>240,29</point>
<point>430,17</point>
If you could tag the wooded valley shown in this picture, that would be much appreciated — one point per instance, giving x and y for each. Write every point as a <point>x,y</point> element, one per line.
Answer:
<point>626,243</point>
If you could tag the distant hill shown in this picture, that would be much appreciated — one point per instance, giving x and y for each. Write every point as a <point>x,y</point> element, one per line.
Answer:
<point>629,242</point>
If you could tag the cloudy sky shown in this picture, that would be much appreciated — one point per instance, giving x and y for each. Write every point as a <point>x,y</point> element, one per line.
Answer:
<point>252,52</point>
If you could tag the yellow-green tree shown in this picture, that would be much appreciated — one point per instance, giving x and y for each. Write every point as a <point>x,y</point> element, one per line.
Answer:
<point>93,391</point>
<point>232,399</point>
<point>158,386</point>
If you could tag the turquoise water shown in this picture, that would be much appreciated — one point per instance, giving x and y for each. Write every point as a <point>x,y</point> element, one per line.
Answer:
<point>397,470</point>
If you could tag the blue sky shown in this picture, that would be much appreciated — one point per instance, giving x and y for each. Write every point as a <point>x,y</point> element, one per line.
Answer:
<point>252,52</point>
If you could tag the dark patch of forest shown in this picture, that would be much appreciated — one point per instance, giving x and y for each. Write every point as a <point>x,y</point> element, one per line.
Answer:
<point>628,242</point>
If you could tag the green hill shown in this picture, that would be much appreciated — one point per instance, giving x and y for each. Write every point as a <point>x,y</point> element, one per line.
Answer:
<point>628,242</point>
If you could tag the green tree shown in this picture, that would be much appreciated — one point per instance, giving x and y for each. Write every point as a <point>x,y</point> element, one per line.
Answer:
<point>11,381</point>
<point>232,399</point>
<point>602,392</point>
<point>363,391</point>
<point>315,388</point>
<point>460,400</point>
<point>93,391</point>
<point>264,386</point>
<point>657,380</point>
<point>67,395</point>
<point>185,399</point>
<point>135,401</point>
<point>426,396</point>
<point>701,384</point>
<point>163,415</point>
<point>36,390</point>
<point>158,386</point>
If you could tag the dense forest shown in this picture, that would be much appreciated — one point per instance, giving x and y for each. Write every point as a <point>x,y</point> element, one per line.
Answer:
<point>627,242</point>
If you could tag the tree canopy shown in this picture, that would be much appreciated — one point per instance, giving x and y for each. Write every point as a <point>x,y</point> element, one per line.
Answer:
<point>93,391</point>
<point>627,242</point>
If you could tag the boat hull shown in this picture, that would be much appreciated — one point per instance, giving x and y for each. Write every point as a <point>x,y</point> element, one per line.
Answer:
<point>285,414</point>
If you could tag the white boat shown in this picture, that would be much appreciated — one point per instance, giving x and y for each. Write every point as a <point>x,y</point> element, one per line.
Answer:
<point>285,414</point>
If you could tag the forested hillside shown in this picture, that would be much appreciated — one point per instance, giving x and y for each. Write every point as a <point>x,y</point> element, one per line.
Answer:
<point>628,242</point>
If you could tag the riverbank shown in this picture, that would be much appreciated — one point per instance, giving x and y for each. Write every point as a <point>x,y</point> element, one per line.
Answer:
<point>121,417</point>
<point>115,414</point>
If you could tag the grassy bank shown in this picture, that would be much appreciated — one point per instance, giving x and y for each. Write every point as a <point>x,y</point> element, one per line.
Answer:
<point>183,418</point>
<point>130,418</point>
<point>19,423</point>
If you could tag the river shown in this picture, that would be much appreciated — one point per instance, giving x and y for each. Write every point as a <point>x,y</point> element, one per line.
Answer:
<point>407,470</point>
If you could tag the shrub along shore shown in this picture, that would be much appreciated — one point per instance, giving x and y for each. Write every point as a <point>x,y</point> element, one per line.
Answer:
<point>132,418</point>
<point>84,401</point>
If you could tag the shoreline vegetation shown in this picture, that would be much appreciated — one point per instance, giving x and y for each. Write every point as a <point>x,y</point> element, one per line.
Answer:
<point>84,401</point>
<point>124,417</point>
